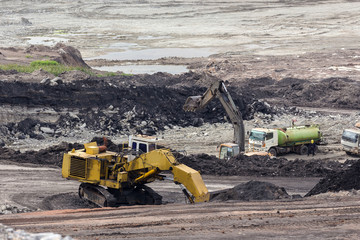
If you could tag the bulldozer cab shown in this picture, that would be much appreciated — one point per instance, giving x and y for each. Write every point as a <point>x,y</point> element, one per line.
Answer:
<point>228,150</point>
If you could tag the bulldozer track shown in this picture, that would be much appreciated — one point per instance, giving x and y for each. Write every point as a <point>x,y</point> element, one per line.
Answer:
<point>98,192</point>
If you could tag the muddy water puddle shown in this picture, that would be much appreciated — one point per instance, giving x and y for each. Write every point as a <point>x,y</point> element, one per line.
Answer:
<point>142,69</point>
<point>47,41</point>
<point>156,53</point>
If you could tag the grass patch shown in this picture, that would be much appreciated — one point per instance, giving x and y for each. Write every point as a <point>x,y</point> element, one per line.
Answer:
<point>43,63</point>
<point>54,68</point>
<point>47,65</point>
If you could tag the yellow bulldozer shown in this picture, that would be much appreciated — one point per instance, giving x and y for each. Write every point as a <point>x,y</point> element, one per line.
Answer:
<point>111,179</point>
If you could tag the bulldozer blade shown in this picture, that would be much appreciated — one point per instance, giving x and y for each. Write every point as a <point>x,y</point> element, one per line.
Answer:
<point>192,103</point>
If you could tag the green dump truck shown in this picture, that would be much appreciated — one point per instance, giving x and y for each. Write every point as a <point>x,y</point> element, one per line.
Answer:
<point>284,140</point>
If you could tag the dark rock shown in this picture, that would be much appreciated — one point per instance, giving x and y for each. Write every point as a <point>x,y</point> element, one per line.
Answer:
<point>253,190</point>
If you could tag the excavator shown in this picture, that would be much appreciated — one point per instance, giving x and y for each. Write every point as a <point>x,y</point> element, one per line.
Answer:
<point>110,179</point>
<point>218,90</point>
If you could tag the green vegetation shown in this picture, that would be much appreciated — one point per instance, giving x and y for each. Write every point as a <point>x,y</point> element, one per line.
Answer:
<point>42,63</point>
<point>47,65</point>
<point>54,68</point>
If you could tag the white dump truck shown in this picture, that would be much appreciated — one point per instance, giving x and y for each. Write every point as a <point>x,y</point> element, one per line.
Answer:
<point>350,140</point>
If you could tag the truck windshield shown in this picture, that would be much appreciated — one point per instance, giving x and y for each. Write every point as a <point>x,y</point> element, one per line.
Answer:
<point>257,136</point>
<point>350,136</point>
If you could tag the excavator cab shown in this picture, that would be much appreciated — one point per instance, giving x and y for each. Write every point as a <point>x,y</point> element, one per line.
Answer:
<point>143,143</point>
<point>228,150</point>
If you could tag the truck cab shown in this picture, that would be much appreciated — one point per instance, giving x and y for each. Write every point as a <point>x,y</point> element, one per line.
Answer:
<point>262,139</point>
<point>350,141</point>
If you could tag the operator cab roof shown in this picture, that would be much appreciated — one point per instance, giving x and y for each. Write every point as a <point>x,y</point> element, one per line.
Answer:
<point>356,130</point>
<point>229,144</point>
<point>145,138</point>
<point>263,130</point>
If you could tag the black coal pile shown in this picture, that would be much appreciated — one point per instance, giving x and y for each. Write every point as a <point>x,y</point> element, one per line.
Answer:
<point>238,166</point>
<point>144,103</point>
<point>329,92</point>
<point>242,165</point>
<point>65,201</point>
<point>51,156</point>
<point>253,190</point>
<point>334,182</point>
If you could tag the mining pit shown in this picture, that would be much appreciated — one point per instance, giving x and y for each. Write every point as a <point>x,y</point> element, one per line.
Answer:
<point>280,62</point>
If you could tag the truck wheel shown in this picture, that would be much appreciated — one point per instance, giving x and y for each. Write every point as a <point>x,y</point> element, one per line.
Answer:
<point>303,150</point>
<point>273,152</point>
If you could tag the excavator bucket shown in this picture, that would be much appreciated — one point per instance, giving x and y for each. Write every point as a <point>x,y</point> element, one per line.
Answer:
<point>192,103</point>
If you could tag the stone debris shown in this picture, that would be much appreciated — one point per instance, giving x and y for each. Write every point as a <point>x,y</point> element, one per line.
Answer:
<point>8,209</point>
<point>8,233</point>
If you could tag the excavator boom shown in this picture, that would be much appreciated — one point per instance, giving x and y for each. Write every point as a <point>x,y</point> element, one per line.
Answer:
<point>218,90</point>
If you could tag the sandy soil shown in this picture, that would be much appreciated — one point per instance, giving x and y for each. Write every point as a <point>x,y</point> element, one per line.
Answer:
<point>310,40</point>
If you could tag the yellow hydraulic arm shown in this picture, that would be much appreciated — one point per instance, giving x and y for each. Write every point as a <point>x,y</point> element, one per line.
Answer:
<point>163,160</point>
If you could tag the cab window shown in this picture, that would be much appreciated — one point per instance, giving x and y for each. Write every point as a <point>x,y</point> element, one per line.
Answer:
<point>152,146</point>
<point>269,136</point>
<point>142,147</point>
<point>235,151</point>
<point>225,152</point>
<point>257,136</point>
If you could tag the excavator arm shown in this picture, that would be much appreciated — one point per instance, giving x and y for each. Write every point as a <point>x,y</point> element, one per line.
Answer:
<point>192,181</point>
<point>218,90</point>
<point>163,160</point>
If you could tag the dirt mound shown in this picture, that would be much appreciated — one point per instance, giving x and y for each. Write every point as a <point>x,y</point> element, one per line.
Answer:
<point>51,156</point>
<point>335,182</point>
<point>206,164</point>
<point>74,75</point>
<point>65,201</point>
<point>69,56</point>
<point>253,190</point>
<point>262,166</point>
<point>329,92</point>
